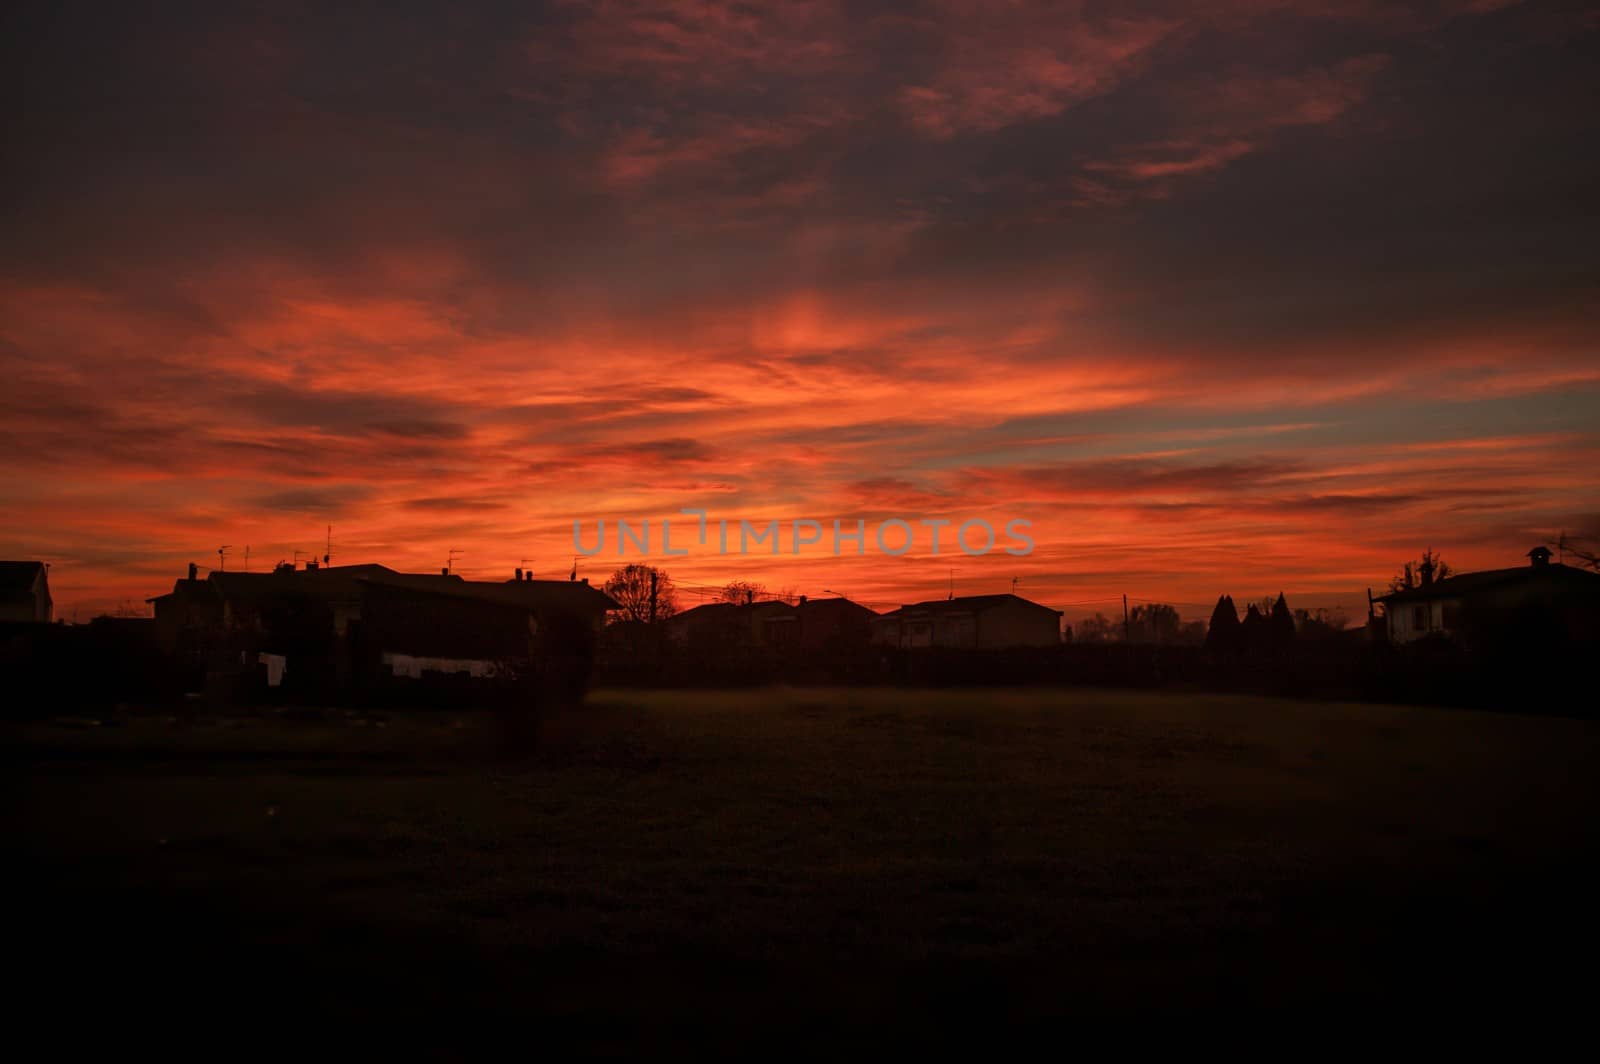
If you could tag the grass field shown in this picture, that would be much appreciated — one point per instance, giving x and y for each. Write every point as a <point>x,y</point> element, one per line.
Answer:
<point>719,869</point>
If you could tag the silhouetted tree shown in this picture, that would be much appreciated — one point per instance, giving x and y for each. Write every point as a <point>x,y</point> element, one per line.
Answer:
<point>1566,545</point>
<point>644,592</point>
<point>1281,625</point>
<point>1320,624</point>
<point>1154,622</point>
<point>742,592</point>
<point>1410,574</point>
<point>1253,631</point>
<point>1097,629</point>
<point>1222,635</point>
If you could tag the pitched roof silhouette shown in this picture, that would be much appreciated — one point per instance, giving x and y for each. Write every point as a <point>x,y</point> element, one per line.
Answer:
<point>18,577</point>
<point>967,603</point>
<point>1556,576</point>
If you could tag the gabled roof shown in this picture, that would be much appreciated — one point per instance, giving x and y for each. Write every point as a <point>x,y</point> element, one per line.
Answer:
<point>967,604</point>
<point>18,577</point>
<point>720,611</point>
<point>1554,575</point>
<point>565,596</point>
<point>348,582</point>
<point>838,604</point>
<point>189,590</point>
<point>334,583</point>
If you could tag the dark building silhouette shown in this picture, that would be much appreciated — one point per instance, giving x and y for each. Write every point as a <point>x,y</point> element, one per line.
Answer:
<point>1556,598</point>
<point>971,622</point>
<point>808,627</point>
<point>352,625</point>
<point>25,592</point>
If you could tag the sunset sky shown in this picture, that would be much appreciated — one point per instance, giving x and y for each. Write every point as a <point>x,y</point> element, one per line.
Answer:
<point>1238,296</point>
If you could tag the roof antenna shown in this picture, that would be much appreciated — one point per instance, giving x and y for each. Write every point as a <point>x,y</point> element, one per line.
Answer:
<point>327,552</point>
<point>526,569</point>
<point>450,560</point>
<point>574,575</point>
<point>951,597</point>
<point>1015,580</point>
<point>222,558</point>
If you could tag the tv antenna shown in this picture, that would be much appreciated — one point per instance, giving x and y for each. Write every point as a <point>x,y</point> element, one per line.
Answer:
<point>247,557</point>
<point>952,594</point>
<point>450,560</point>
<point>222,558</point>
<point>527,571</point>
<point>297,556</point>
<point>327,550</point>
<point>1015,580</point>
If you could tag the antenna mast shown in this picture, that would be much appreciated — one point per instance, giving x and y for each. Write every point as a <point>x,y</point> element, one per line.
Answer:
<point>450,560</point>
<point>327,551</point>
<point>222,558</point>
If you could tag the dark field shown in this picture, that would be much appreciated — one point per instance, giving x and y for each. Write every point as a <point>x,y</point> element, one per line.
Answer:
<point>767,870</point>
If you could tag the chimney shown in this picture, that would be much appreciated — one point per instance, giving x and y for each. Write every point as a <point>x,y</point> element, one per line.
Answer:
<point>194,570</point>
<point>586,580</point>
<point>311,564</point>
<point>1540,556</point>
<point>444,571</point>
<point>802,600</point>
<point>519,576</point>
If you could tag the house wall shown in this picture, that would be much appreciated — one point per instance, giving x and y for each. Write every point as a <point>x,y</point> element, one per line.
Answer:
<point>35,606</point>
<point>1018,624</point>
<point>1411,621</point>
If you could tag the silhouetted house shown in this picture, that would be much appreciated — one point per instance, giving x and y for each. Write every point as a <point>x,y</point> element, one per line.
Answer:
<point>25,592</point>
<point>1557,598</point>
<point>345,625</point>
<point>833,624</point>
<point>970,622</point>
<point>188,622</point>
<point>737,626</point>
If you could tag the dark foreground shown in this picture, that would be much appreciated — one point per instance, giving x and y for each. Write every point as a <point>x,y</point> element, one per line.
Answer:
<point>762,871</point>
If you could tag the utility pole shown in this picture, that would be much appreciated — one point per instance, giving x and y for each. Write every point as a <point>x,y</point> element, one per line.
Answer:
<point>652,596</point>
